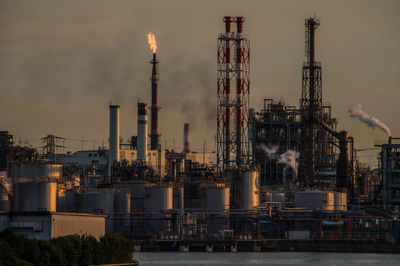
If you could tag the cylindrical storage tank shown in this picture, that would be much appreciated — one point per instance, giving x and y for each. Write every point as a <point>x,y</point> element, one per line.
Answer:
<point>158,198</point>
<point>5,190</point>
<point>114,137</point>
<point>330,201</point>
<point>61,196</point>
<point>178,198</point>
<point>278,197</point>
<point>193,195</point>
<point>142,132</point>
<point>314,200</point>
<point>266,196</point>
<point>216,198</point>
<point>340,201</point>
<point>36,196</point>
<point>250,189</point>
<point>96,202</point>
<point>122,209</point>
<point>36,169</point>
<point>70,201</point>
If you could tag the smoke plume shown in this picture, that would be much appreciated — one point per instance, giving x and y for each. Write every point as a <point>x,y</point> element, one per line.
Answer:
<point>356,111</point>
<point>289,158</point>
<point>270,151</point>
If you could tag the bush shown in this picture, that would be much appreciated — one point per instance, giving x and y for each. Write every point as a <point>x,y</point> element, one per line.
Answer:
<point>67,250</point>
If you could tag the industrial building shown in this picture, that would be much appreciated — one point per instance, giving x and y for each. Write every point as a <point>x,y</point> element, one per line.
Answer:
<point>279,173</point>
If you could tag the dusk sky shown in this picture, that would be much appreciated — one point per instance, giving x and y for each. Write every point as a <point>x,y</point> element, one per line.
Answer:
<point>63,62</point>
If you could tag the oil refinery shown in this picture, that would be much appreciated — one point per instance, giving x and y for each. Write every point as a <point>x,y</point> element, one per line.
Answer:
<point>281,178</point>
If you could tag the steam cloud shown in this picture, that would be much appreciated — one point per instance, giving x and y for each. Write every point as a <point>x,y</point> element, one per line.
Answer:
<point>356,111</point>
<point>270,151</point>
<point>289,158</point>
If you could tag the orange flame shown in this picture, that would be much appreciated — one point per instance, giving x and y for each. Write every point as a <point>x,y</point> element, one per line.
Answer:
<point>152,42</point>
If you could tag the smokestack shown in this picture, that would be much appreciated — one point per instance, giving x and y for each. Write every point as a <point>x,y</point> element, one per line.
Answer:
<point>113,137</point>
<point>186,143</point>
<point>142,132</point>
<point>154,136</point>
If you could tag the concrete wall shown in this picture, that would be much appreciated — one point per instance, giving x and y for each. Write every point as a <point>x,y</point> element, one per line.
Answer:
<point>50,225</point>
<point>68,224</point>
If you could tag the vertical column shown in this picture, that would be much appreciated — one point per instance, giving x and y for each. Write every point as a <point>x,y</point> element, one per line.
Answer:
<point>142,132</point>
<point>113,137</point>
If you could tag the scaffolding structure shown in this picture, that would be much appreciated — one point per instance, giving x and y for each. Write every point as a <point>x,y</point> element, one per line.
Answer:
<point>276,125</point>
<point>389,168</point>
<point>233,108</point>
<point>317,154</point>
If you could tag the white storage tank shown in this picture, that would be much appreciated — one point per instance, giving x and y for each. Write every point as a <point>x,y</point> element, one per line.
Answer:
<point>158,198</point>
<point>178,198</point>
<point>122,209</point>
<point>251,190</point>
<point>36,196</point>
<point>315,200</point>
<point>340,201</point>
<point>36,169</point>
<point>245,188</point>
<point>96,202</point>
<point>217,197</point>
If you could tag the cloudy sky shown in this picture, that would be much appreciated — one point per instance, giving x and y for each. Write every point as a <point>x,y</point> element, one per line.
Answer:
<point>63,62</point>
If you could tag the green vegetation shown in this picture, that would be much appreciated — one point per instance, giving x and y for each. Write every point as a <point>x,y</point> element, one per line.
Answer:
<point>67,250</point>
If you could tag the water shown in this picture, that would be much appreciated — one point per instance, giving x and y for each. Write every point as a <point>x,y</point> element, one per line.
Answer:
<point>265,258</point>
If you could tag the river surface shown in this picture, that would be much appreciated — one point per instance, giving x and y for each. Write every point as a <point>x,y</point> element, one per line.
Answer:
<point>265,258</point>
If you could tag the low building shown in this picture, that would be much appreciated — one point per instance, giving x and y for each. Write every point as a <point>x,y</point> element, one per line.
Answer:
<point>47,225</point>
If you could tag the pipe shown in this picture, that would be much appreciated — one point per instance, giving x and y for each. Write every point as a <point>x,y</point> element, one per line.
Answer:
<point>142,132</point>
<point>113,137</point>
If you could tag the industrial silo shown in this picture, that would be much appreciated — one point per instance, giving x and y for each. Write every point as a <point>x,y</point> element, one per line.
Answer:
<point>96,202</point>
<point>315,200</point>
<point>35,169</point>
<point>245,188</point>
<point>340,201</point>
<point>216,197</point>
<point>122,210</point>
<point>99,202</point>
<point>178,196</point>
<point>158,198</point>
<point>36,196</point>
<point>216,207</point>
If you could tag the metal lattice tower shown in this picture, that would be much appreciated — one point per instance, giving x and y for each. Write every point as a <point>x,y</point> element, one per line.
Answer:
<point>311,107</point>
<point>233,65</point>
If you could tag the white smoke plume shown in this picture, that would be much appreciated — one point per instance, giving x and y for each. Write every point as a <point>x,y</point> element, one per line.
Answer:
<point>270,151</point>
<point>289,158</point>
<point>356,111</point>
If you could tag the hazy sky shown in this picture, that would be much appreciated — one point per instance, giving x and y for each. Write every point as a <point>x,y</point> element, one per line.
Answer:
<point>62,62</point>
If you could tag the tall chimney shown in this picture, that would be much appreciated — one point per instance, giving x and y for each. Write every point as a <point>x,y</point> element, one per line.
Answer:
<point>113,137</point>
<point>142,132</point>
<point>154,135</point>
<point>186,143</point>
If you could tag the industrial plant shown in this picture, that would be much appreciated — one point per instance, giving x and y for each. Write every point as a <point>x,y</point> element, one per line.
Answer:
<point>281,178</point>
